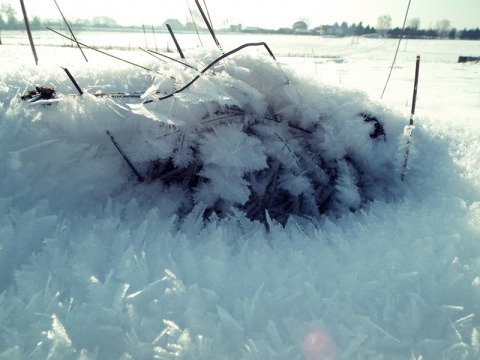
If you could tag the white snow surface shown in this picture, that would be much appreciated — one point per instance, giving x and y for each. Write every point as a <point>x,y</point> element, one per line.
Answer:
<point>96,265</point>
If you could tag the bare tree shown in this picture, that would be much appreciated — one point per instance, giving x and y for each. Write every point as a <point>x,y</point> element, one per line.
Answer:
<point>10,13</point>
<point>443,28</point>
<point>384,23</point>
<point>104,21</point>
<point>227,23</point>
<point>414,23</point>
<point>194,16</point>
<point>305,20</point>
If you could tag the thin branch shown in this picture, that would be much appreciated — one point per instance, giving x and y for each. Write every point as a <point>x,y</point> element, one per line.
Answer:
<point>145,36</point>
<point>213,63</point>
<point>154,38</point>
<point>127,160</point>
<point>209,26</point>
<point>70,29</point>
<point>228,116</point>
<point>151,54</point>
<point>398,46</point>
<point>194,23</point>
<point>72,79</point>
<point>170,58</point>
<point>102,52</point>
<point>179,49</point>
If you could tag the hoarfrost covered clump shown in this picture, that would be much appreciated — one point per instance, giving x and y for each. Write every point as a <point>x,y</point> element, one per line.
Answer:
<point>247,135</point>
<point>253,136</point>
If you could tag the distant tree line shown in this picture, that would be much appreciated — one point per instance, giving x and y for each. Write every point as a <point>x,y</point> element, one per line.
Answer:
<point>442,30</point>
<point>9,21</point>
<point>409,33</point>
<point>470,34</point>
<point>345,30</point>
<point>8,17</point>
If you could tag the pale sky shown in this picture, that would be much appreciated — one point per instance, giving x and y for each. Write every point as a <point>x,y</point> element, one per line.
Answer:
<point>271,14</point>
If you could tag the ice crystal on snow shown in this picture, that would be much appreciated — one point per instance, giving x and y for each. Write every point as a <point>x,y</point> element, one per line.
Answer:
<point>265,227</point>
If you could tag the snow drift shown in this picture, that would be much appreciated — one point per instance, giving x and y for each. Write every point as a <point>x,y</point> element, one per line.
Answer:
<point>97,265</point>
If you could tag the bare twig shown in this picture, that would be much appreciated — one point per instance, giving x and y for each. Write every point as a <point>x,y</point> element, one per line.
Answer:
<point>194,23</point>
<point>154,38</point>
<point>170,58</point>
<point>208,13</point>
<point>127,160</point>
<point>72,79</point>
<point>102,52</point>
<point>209,26</point>
<point>213,63</point>
<point>175,41</point>
<point>70,29</point>
<point>145,36</point>
<point>398,46</point>
<point>227,116</point>
<point>149,52</point>
<point>288,148</point>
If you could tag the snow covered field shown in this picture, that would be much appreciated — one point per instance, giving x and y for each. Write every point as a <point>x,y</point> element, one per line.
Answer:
<point>95,265</point>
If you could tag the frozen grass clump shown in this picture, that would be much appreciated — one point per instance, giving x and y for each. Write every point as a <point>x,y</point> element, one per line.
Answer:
<point>253,136</point>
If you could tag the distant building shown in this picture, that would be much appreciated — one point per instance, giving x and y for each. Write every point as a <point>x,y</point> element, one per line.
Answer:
<point>331,30</point>
<point>251,29</point>
<point>236,28</point>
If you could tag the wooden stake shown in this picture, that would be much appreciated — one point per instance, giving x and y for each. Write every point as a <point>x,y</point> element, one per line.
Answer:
<point>29,32</point>
<point>409,128</point>
<point>415,86</point>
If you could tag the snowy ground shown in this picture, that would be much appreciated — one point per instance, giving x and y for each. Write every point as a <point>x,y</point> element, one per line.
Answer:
<point>94,265</point>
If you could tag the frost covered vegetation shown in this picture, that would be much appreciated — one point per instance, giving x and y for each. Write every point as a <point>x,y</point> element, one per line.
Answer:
<point>187,264</point>
<point>250,136</point>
